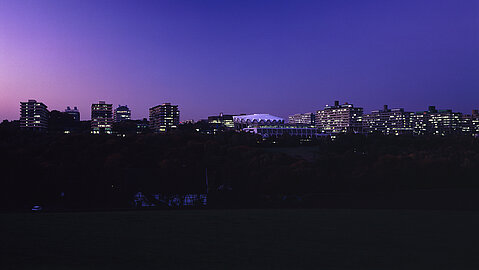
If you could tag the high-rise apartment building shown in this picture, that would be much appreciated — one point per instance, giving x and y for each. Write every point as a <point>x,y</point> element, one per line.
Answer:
<point>302,118</point>
<point>75,113</point>
<point>164,117</point>
<point>339,118</point>
<point>466,124</point>
<point>122,113</point>
<point>475,123</point>
<point>388,121</point>
<point>101,118</point>
<point>446,122</point>
<point>33,115</point>
<point>419,123</point>
<point>437,122</point>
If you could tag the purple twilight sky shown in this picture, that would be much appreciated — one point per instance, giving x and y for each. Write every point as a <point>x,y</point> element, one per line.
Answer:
<point>277,57</point>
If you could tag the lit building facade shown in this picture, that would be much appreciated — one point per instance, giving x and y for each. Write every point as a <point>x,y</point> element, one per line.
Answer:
<point>466,124</point>
<point>252,120</point>
<point>101,118</point>
<point>296,130</point>
<point>419,123</point>
<point>33,115</point>
<point>445,122</point>
<point>164,117</point>
<point>268,125</point>
<point>470,123</point>
<point>388,121</point>
<point>339,119</point>
<point>221,122</point>
<point>122,113</point>
<point>302,118</point>
<point>475,127</point>
<point>439,122</point>
<point>475,123</point>
<point>75,113</point>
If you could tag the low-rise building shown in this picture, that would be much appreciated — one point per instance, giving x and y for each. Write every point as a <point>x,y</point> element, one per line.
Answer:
<point>221,122</point>
<point>268,125</point>
<point>251,120</point>
<point>75,113</point>
<point>296,130</point>
<point>302,118</point>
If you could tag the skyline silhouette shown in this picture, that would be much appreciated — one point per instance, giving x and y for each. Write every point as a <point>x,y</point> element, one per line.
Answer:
<point>278,57</point>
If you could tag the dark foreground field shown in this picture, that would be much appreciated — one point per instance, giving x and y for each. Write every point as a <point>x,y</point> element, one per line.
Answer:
<point>241,239</point>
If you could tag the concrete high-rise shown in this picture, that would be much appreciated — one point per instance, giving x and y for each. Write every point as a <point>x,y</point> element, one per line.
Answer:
<point>164,117</point>
<point>101,118</point>
<point>388,121</point>
<point>122,113</point>
<point>475,123</point>
<point>339,118</point>
<point>437,122</point>
<point>33,115</point>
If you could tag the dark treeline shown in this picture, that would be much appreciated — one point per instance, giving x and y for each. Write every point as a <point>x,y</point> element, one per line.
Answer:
<point>243,170</point>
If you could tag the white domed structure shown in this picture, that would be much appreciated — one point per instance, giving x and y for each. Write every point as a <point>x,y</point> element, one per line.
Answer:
<point>243,121</point>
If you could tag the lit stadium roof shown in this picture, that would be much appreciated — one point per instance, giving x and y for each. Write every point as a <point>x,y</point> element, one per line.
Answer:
<point>257,117</point>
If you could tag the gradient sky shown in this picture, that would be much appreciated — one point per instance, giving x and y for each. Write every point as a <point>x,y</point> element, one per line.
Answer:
<point>277,57</point>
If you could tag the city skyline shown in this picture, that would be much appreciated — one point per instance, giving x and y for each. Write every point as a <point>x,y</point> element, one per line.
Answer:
<point>325,106</point>
<point>274,57</point>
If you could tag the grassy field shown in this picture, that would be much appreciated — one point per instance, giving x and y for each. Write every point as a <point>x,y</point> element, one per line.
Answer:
<point>241,239</point>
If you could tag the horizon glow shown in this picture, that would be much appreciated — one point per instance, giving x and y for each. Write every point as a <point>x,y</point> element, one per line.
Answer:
<point>276,57</point>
